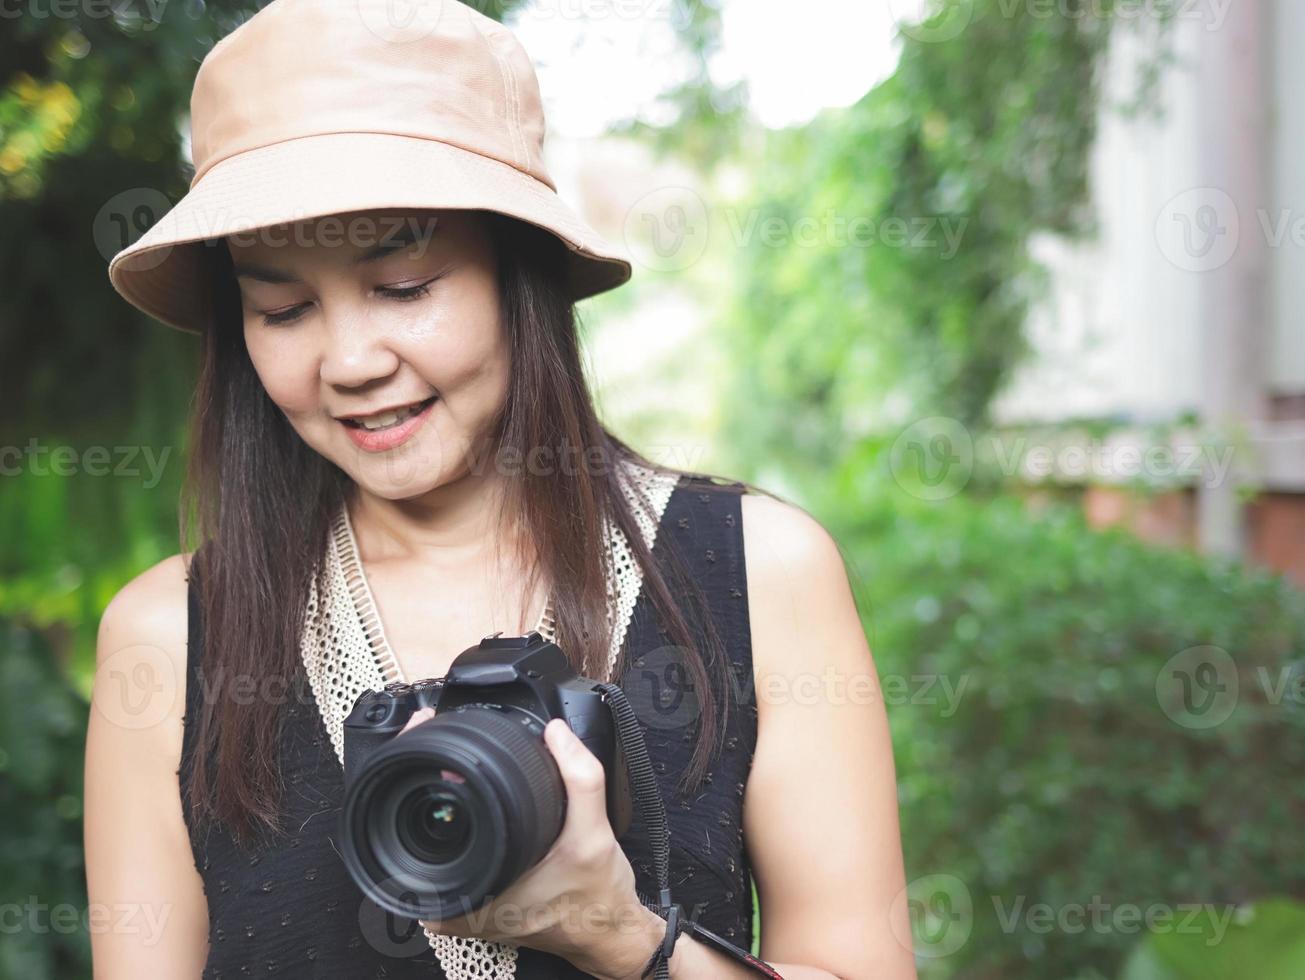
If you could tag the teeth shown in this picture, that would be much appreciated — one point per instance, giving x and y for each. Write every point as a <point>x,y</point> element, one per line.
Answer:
<point>381,421</point>
<point>374,422</point>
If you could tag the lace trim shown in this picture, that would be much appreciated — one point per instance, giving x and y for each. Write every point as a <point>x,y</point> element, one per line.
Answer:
<point>360,594</point>
<point>345,652</point>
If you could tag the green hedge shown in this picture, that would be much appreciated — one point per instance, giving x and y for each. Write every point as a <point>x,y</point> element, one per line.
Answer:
<point>43,910</point>
<point>1064,773</point>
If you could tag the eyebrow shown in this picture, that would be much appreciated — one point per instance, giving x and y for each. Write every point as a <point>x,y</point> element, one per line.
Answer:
<point>396,242</point>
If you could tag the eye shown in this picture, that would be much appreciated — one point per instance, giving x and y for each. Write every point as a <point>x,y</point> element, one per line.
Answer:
<point>284,316</point>
<point>401,293</point>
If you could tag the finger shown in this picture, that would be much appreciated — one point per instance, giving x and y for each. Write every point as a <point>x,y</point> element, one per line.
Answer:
<point>425,714</point>
<point>447,927</point>
<point>582,774</point>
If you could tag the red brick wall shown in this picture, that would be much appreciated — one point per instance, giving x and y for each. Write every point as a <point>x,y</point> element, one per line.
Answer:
<point>1276,523</point>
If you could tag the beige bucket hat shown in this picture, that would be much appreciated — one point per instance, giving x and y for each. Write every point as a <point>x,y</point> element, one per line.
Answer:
<point>321,107</point>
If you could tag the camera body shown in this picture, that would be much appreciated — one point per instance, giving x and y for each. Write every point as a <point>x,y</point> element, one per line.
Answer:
<point>437,822</point>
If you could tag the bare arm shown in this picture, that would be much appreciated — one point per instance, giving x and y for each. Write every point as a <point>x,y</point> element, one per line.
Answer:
<point>148,913</point>
<point>820,809</point>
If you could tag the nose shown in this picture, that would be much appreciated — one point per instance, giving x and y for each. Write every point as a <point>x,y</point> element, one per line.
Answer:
<point>356,353</point>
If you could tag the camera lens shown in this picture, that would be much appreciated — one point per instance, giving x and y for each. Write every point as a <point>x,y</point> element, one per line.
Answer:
<point>433,824</point>
<point>452,812</point>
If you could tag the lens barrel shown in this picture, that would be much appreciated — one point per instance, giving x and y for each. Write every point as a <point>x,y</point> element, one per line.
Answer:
<point>452,812</point>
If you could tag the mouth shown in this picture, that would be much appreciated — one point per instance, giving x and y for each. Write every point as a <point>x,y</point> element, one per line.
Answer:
<point>388,420</point>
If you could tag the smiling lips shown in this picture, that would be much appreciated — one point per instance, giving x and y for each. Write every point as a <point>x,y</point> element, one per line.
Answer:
<point>388,430</point>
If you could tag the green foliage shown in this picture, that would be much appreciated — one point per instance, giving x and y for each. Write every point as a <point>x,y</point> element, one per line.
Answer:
<point>910,296</point>
<point>42,888</point>
<point>1058,771</point>
<point>1266,940</point>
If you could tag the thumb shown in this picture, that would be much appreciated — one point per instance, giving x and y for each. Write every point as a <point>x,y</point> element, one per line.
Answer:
<point>425,714</point>
<point>586,783</point>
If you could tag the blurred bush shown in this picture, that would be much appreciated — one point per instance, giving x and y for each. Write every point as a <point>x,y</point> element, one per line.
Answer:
<point>1266,939</point>
<point>42,889</point>
<point>1035,675</point>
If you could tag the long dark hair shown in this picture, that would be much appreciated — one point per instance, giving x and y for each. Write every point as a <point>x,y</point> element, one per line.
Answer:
<point>258,504</point>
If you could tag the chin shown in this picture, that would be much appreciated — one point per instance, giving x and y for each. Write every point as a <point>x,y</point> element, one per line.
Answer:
<point>395,486</point>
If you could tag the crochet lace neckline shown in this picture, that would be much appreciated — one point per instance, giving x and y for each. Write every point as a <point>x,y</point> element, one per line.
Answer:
<point>365,605</point>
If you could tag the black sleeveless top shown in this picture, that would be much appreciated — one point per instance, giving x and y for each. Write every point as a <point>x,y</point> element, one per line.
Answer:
<point>290,909</point>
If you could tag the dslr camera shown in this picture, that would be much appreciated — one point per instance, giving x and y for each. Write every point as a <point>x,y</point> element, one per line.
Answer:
<point>441,820</point>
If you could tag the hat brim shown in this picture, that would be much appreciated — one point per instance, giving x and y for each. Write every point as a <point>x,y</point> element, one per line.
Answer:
<point>162,273</point>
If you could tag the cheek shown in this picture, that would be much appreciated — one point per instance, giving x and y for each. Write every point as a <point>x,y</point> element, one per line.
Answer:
<point>465,356</point>
<point>286,370</point>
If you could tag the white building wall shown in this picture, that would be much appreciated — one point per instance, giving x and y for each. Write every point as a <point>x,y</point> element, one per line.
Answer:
<point>1121,332</point>
<point>1286,371</point>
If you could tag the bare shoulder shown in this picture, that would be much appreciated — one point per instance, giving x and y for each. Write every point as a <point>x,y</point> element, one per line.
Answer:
<point>151,608</point>
<point>782,534</point>
<point>140,653</point>
<point>787,549</point>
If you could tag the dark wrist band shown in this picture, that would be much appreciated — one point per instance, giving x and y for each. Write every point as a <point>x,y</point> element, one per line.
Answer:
<point>674,916</point>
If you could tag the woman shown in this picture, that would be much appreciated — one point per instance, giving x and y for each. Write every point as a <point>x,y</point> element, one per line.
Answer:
<point>394,454</point>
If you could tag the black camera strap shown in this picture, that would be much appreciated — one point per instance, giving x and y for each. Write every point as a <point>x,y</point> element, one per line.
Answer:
<point>648,798</point>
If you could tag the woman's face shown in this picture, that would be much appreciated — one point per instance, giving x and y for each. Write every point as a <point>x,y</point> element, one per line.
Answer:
<point>349,315</point>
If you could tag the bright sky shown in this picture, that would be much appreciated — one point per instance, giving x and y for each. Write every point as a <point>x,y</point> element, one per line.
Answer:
<point>600,59</point>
